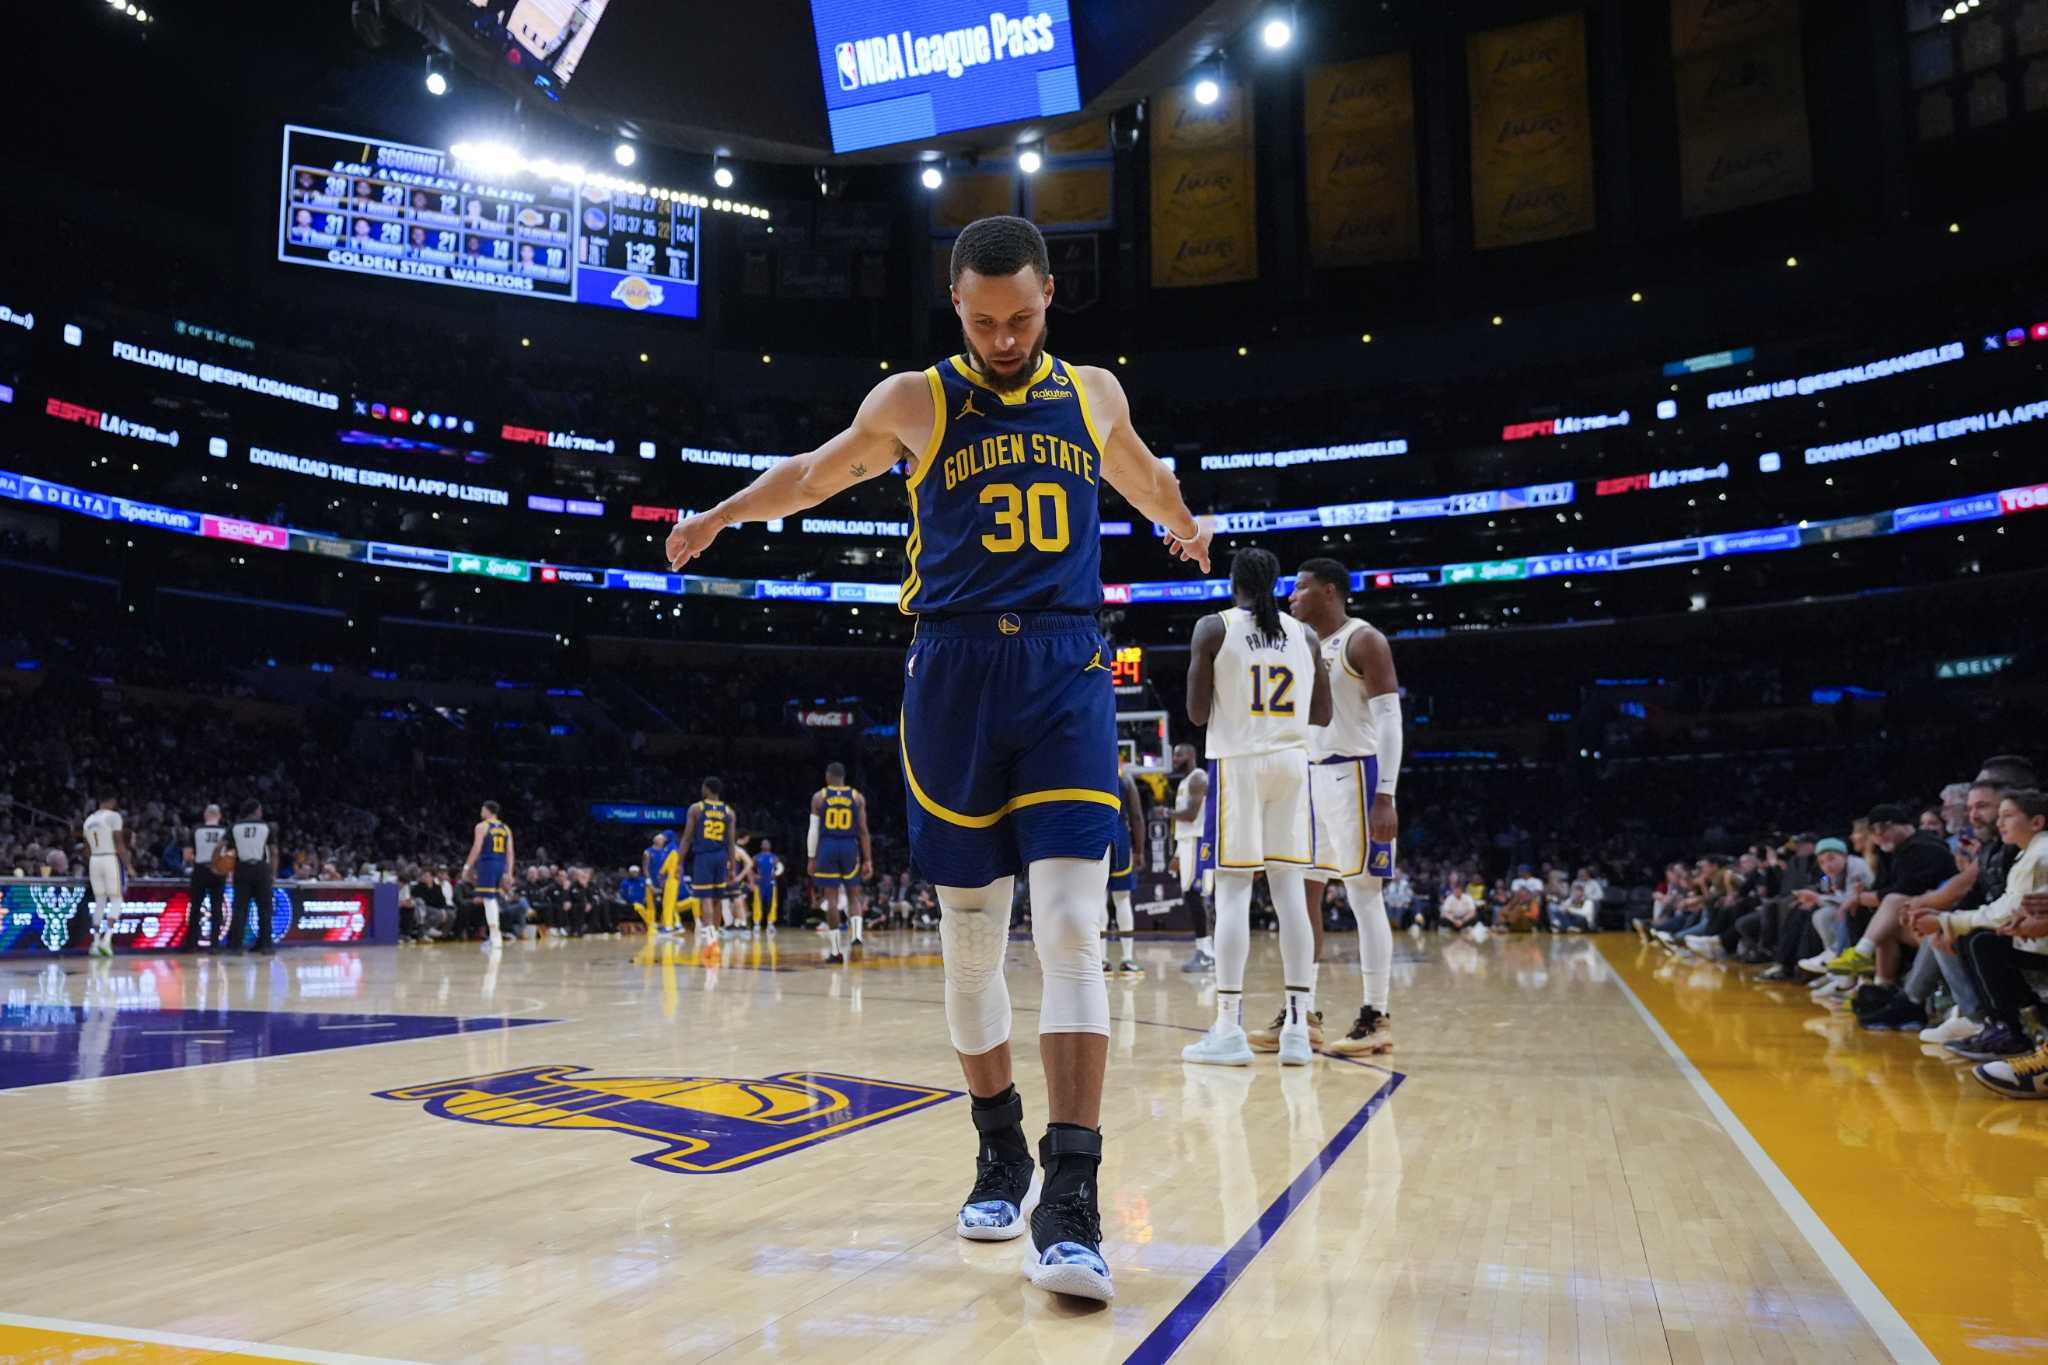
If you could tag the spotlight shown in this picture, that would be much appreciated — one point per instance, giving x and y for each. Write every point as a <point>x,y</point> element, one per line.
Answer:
<point>1366,338</point>
<point>1496,319</point>
<point>1029,160</point>
<point>721,174</point>
<point>933,177</point>
<point>1955,227</point>
<point>1278,32</point>
<point>1791,262</point>
<point>624,154</point>
<point>437,77</point>
<point>1207,91</point>
<point>1636,297</point>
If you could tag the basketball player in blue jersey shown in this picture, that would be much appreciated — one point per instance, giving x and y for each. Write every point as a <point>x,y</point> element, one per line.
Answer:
<point>842,858</point>
<point>708,835</point>
<point>1008,731</point>
<point>489,866</point>
<point>1126,860</point>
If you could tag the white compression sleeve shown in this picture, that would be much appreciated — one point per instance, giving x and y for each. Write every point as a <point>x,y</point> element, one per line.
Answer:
<point>1375,938</point>
<point>1297,935</point>
<point>1233,928</point>
<point>811,844</point>
<point>974,934</point>
<point>1386,726</point>
<point>1066,926</point>
<point>1126,921</point>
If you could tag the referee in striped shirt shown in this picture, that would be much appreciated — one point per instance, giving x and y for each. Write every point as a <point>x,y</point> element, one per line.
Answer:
<point>205,907</point>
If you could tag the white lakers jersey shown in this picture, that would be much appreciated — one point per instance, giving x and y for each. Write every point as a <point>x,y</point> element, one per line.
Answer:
<point>1262,688</point>
<point>1190,827</point>
<point>1350,733</point>
<point>100,828</point>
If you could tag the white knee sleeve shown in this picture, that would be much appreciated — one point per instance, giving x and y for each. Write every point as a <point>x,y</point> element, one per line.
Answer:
<point>1126,921</point>
<point>491,914</point>
<point>1233,928</point>
<point>974,934</point>
<point>1066,926</point>
<point>1375,938</point>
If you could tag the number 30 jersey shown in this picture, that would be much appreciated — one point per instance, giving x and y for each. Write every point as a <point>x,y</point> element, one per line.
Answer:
<point>1005,502</point>
<point>1262,688</point>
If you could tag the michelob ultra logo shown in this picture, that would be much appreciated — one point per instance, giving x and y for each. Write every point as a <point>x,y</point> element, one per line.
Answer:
<point>702,1125</point>
<point>884,58</point>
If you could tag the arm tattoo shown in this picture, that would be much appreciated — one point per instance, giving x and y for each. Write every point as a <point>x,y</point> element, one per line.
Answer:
<point>859,471</point>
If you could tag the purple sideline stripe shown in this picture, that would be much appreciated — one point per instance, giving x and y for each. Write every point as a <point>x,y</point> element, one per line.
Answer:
<point>1174,1330</point>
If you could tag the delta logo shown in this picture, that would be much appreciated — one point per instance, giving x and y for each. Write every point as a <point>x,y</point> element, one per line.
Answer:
<point>700,1125</point>
<point>638,294</point>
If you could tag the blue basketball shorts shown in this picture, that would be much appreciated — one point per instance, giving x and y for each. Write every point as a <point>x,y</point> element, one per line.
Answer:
<point>709,872</point>
<point>1008,739</point>
<point>838,860</point>
<point>1121,877</point>
<point>490,874</point>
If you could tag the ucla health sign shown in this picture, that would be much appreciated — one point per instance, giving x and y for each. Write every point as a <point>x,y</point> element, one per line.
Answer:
<point>900,70</point>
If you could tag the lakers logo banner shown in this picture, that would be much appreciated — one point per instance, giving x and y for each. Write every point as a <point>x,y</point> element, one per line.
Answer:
<point>1204,178</point>
<point>702,1125</point>
<point>1359,122</point>
<point>1742,132</point>
<point>1532,132</point>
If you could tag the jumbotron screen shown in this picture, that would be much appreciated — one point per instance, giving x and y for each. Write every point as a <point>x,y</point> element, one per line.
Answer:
<point>541,40</point>
<point>398,211</point>
<point>902,70</point>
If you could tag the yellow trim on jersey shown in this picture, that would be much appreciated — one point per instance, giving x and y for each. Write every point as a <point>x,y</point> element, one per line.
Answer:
<point>1014,396</point>
<point>913,547</point>
<point>1222,828</point>
<point>1015,803</point>
<point>1088,415</point>
<point>1123,871</point>
<point>1344,652</point>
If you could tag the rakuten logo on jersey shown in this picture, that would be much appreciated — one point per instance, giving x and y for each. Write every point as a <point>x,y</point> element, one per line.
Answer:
<point>889,57</point>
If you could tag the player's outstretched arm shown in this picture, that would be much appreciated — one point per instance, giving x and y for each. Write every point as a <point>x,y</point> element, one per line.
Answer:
<point>1202,652</point>
<point>1131,468</point>
<point>896,416</point>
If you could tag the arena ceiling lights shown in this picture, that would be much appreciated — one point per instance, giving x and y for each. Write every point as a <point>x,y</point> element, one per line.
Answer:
<point>498,161</point>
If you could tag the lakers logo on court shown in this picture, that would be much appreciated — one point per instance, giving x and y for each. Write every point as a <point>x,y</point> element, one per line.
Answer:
<point>706,1125</point>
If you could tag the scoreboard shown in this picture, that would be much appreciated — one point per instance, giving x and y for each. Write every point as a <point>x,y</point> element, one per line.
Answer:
<point>413,213</point>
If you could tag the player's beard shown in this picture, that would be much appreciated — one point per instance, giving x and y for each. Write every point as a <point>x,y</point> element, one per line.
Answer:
<point>1010,383</point>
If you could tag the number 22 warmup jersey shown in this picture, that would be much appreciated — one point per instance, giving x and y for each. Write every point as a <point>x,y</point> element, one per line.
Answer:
<point>1258,743</point>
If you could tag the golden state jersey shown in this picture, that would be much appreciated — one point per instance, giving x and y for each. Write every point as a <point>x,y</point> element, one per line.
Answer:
<point>838,820</point>
<point>497,839</point>
<point>1005,503</point>
<point>714,824</point>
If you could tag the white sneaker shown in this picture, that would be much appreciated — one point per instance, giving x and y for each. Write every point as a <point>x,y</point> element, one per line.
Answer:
<point>1956,1028</point>
<point>1707,946</point>
<point>1817,963</point>
<point>1224,1045</point>
<point>1294,1045</point>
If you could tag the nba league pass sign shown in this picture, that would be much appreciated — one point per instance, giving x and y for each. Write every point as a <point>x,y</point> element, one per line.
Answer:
<point>901,70</point>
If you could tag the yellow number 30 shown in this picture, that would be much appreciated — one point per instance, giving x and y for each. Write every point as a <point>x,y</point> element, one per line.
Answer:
<point>1045,504</point>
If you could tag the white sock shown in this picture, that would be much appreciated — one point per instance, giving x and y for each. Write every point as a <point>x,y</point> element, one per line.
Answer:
<point>835,943</point>
<point>1207,945</point>
<point>1297,935</point>
<point>1300,1004</point>
<point>1375,938</point>
<point>1866,947</point>
<point>1229,1009</point>
<point>856,921</point>
<point>1126,920</point>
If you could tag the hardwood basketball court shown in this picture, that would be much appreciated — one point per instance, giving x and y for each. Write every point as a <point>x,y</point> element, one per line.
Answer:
<point>573,1153</point>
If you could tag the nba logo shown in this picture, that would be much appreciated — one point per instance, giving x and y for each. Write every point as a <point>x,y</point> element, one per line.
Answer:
<point>849,69</point>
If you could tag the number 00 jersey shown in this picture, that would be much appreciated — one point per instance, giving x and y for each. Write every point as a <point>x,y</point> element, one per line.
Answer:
<point>1005,503</point>
<point>1262,689</point>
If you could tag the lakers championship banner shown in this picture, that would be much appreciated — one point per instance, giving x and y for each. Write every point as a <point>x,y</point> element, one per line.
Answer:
<point>1204,177</point>
<point>1359,121</point>
<point>1532,132</point>
<point>1072,198</point>
<point>1083,139</point>
<point>1742,131</point>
